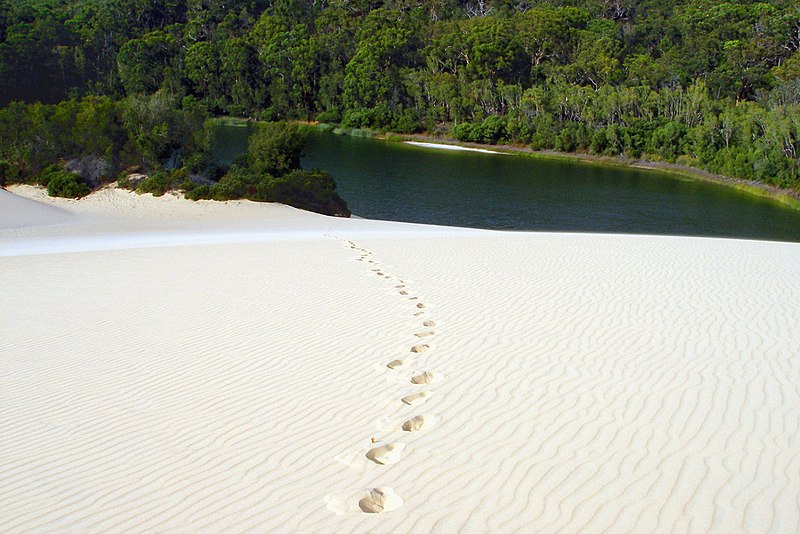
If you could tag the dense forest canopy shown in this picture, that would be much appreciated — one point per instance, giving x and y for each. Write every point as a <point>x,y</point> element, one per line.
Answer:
<point>708,83</point>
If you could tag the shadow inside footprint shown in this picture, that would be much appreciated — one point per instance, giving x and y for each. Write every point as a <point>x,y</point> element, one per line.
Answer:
<point>398,364</point>
<point>386,454</point>
<point>416,398</point>
<point>418,423</point>
<point>380,499</point>
<point>427,377</point>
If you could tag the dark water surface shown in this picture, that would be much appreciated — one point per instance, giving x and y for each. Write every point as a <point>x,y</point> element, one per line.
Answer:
<point>398,182</point>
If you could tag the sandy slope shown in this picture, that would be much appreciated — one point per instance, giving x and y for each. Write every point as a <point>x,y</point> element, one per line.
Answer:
<point>177,366</point>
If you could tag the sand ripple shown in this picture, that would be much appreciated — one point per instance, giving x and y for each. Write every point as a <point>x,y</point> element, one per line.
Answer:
<point>593,383</point>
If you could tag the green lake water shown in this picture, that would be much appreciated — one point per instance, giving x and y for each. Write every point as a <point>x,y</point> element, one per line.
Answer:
<point>399,182</point>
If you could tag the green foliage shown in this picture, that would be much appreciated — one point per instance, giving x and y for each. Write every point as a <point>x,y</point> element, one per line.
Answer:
<point>64,184</point>
<point>314,190</point>
<point>275,148</point>
<point>712,83</point>
<point>163,181</point>
<point>310,190</point>
<point>143,63</point>
<point>161,130</point>
<point>8,173</point>
<point>491,130</point>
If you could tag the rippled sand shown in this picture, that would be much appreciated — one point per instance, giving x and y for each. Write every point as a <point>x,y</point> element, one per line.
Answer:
<point>175,366</point>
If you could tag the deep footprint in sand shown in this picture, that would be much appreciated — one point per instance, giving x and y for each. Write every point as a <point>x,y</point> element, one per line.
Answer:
<point>386,454</point>
<point>426,377</point>
<point>419,349</point>
<point>425,334</point>
<point>420,305</point>
<point>417,423</point>
<point>404,292</point>
<point>398,364</point>
<point>416,398</point>
<point>429,323</point>
<point>380,499</point>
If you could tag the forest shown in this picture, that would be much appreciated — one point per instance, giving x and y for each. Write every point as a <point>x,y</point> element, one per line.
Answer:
<point>110,84</point>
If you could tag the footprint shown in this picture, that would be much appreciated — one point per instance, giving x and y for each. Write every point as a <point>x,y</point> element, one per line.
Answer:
<point>429,323</point>
<point>398,364</point>
<point>386,454</point>
<point>418,314</point>
<point>419,349</point>
<point>426,377</point>
<point>416,398</point>
<point>420,305</point>
<point>425,334</point>
<point>380,499</point>
<point>399,286</point>
<point>404,292</point>
<point>418,423</point>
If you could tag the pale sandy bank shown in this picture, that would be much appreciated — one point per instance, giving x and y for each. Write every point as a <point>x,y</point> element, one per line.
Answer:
<point>175,366</point>
<point>443,146</point>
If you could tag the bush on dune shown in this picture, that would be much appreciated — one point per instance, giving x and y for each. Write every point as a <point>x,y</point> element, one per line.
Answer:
<point>61,183</point>
<point>309,190</point>
<point>271,173</point>
<point>163,181</point>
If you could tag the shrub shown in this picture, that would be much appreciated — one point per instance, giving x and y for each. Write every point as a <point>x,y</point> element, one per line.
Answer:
<point>463,131</point>
<point>310,190</point>
<point>163,181</point>
<point>66,184</point>
<point>408,122</point>
<point>199,192</point>
<point>8,173</point>
<point>275,148</point>
<point>331,115</point>
<point>491,130</point>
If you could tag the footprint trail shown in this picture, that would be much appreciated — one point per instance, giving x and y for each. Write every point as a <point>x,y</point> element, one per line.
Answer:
<point>384,499</point>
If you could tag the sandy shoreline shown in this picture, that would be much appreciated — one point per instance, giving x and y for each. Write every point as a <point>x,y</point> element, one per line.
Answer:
<point>171,365</point>
<point>443,146</point>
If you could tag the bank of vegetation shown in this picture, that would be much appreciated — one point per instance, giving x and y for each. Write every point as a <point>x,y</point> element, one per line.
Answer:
<point>703,83</point>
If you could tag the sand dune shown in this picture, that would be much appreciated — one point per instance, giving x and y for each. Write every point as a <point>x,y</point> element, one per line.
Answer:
<point>21,212</point>
<point>176,366</point>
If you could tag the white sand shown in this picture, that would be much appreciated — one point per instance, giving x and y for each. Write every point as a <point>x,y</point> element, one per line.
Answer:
<point>442,146</point>
<point>176,366</point>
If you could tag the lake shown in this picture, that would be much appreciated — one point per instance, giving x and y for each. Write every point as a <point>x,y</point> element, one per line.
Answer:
<point>400,182</point>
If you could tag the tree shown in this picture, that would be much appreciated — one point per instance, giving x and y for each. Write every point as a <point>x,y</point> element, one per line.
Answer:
<point>142,63</point>
<point>160,132</point>
<point>275,148</point>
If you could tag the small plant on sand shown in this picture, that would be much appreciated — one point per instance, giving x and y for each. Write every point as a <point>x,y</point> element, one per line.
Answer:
<point>61,183</point>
